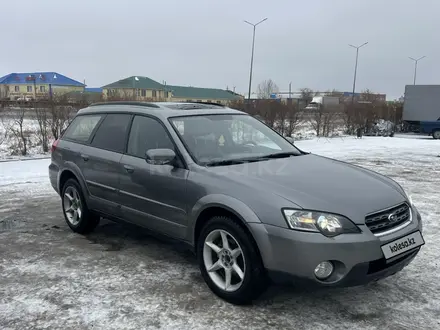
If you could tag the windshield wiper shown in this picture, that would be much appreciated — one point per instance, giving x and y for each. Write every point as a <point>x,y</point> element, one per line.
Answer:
<point>280,155</point>
<point>225,162</point>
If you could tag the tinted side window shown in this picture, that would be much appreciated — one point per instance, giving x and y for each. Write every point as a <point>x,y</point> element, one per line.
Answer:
<point>147,133</point>
<point>112,132</point>
<point>81,128</point>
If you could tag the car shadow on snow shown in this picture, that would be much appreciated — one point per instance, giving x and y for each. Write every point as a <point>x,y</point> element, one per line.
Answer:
<point>113,236</point>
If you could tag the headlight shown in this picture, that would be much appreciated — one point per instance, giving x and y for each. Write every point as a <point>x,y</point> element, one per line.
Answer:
<point>328,224</point>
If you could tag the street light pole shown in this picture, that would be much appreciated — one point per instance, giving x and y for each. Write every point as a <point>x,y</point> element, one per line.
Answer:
<point>252,56</point>
<point>416,61</point>
<point>355,68</point>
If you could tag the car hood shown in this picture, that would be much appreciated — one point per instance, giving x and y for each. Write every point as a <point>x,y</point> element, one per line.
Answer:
<point>318,183</point>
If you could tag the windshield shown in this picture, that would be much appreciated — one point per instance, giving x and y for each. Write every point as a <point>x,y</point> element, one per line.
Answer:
<point>215,139</point>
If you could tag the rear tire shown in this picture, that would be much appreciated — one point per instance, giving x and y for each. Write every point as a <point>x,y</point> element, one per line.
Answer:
<point>76,213</point>
<point>236,274</point>
<point>436,134</point>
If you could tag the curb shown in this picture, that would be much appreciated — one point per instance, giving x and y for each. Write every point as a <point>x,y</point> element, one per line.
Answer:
<point>22,159</point>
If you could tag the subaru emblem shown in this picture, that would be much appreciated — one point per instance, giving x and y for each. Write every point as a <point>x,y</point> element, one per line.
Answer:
<point>392,218</point>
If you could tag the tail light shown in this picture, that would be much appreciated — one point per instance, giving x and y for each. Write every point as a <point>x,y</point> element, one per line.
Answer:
<point>54,145</point>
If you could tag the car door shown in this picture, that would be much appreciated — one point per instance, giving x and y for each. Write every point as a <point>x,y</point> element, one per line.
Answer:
<point>101,162</point>
<point>152,196</point>
<point>78,134</point>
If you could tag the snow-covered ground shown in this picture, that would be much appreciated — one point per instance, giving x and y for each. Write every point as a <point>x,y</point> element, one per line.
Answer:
<point>9,149</point>
<point>118,278</point>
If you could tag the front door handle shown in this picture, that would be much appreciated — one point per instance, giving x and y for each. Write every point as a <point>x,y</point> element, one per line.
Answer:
<point>84,157</point>
<point>129,169</point>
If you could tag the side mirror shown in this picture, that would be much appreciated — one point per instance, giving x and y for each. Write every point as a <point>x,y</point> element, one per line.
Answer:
<point>290,139</point>
<point>160,156</point>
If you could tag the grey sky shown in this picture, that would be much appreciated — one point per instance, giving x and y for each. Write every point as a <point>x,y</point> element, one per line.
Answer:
<point>205,42</point>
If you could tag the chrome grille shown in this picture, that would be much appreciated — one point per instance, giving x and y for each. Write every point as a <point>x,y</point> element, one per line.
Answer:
<point>388,219</point>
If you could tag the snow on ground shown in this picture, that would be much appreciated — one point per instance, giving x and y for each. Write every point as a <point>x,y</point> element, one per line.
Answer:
<point>25,178</point>
<point>123,278</point>
<point>9,142</point>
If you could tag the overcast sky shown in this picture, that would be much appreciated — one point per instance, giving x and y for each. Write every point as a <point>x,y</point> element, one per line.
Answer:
<point>206,43</point>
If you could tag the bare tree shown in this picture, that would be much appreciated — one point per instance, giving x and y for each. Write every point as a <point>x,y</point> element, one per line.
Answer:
<point>349,118</point>
<point>17,129</point>
<point>60,114</point>
<point>329,122</point>
<point>293,118</point>
<point>307,95</point>
<point>268,110</point>
<point>366,111</point>
<point>323,119</point>
<point>42,118</point>
<point>237,104</point>
<point>3,131</point>
<point>315,117</point>
<point>266,88</point>
<point>282,114</point>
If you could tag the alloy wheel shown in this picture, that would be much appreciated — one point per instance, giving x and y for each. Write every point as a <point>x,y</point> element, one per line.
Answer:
<point>223,260</point>
<point>72,205</point>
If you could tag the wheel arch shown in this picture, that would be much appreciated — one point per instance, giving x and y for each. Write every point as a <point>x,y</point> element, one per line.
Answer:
<point>213,205</point>
<point>72,172</point>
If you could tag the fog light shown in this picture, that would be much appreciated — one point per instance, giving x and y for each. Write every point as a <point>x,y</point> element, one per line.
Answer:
<point>324,270</point>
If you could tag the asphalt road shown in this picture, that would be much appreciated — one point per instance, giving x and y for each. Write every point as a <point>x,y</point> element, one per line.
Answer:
<point>121,277</point>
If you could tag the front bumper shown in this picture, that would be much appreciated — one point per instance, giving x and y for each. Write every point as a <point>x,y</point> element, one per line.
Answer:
<point>360,274</point>
<point>292,256</point>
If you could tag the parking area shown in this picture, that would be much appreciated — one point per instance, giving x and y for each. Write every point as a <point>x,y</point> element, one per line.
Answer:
<point>122,277</point>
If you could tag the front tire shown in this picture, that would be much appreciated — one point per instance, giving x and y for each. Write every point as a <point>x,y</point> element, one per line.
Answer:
<point>229,261</point>
<point>436,134</point>
<point>75,210</point>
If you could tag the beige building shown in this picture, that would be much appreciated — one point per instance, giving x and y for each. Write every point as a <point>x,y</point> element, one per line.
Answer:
<point>37,85</point>
<point>146,89</point>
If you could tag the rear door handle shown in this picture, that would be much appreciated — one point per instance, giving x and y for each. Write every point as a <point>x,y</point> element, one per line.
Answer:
<point>84,157</point>
<point>129,169</point>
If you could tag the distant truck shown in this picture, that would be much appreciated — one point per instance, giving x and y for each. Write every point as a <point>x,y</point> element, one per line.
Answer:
<point>326,101</point>
<point>421,109</point>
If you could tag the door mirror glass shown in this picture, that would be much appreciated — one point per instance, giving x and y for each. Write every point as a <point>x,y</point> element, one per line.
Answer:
<point>291,140</point>
<point>160,156</point>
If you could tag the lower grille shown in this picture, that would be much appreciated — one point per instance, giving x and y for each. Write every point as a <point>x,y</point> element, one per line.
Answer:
<point>381,264</point>
<point>388,219</point>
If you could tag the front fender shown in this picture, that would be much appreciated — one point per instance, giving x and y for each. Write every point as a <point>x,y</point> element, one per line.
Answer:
<point>231,204</point>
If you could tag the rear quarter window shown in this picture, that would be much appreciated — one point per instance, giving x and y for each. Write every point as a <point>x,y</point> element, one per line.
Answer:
<point>81,128</point>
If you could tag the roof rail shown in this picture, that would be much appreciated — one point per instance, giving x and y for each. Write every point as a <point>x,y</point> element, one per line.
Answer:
<point>207,103</point>
<point>137,103</point>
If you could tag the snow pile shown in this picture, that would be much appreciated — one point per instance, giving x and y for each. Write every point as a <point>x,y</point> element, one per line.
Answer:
<point>305,131</point>
<point>384,125</point>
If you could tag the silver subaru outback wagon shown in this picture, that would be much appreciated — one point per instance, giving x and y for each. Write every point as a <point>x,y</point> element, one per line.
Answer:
<point>254,207</point>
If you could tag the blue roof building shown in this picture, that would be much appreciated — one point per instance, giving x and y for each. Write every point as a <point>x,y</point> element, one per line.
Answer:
<point>52,78</point>
<point>37,85</point>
